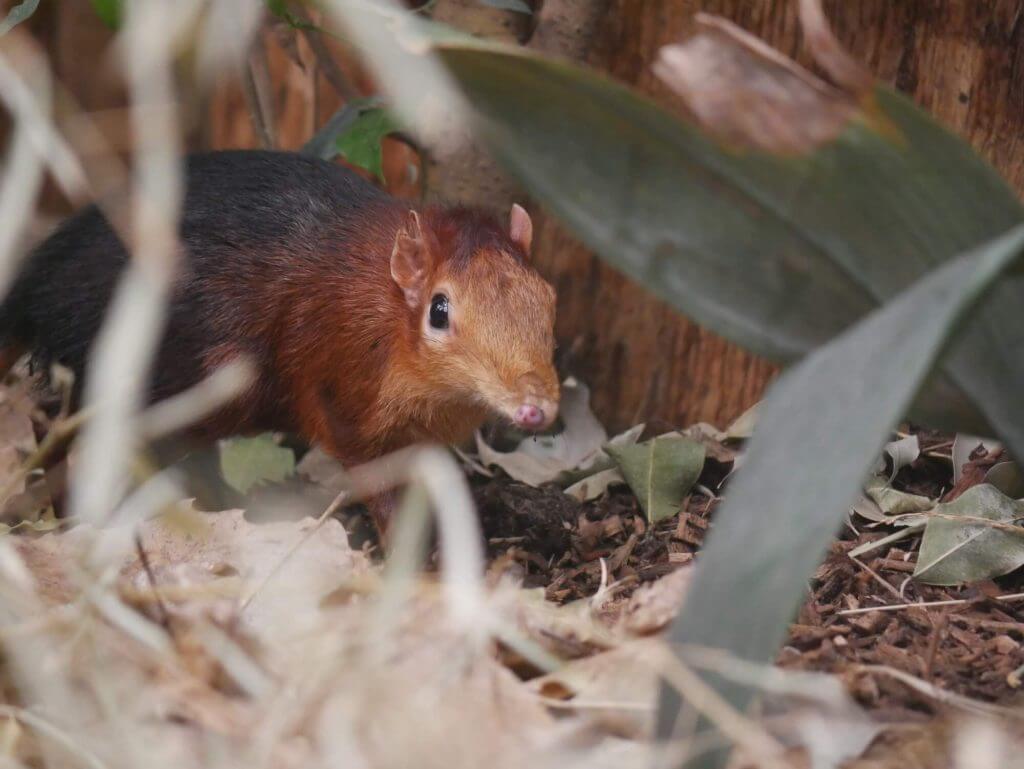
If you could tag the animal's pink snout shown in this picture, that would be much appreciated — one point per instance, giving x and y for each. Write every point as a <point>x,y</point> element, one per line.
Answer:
<point>530,416</point>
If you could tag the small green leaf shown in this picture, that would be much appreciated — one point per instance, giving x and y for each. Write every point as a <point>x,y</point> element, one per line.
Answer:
<point>360,143</point>
<point>968,551</point>
<point>660,471</point>
<point>111,12</point>
<point>894,502</point>
<point>280,9</point>
<point>519,6</point>
<point>249,462</point>
<point>18,14</point>
<point>324,143</point>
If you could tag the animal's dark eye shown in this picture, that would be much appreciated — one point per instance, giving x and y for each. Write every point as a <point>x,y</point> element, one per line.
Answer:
<point>439,311</point>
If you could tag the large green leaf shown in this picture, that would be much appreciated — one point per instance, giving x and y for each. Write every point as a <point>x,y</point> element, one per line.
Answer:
<point>776,253</point>
<point>660,471</point>
<point>355,132</point>
<point>959,547</point>
<point>820,429</point>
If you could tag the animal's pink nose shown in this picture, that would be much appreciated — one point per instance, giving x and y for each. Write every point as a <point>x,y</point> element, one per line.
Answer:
<point>529,416</point>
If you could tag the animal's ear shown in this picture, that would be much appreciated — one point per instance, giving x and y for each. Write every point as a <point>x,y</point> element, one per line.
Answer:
<point>412,258</point>
<point>520,228</point>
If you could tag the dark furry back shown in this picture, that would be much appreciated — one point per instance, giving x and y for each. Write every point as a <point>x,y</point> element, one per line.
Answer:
<point>250,218</point>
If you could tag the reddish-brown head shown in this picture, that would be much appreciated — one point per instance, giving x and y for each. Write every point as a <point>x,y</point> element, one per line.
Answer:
<point>481,318</point>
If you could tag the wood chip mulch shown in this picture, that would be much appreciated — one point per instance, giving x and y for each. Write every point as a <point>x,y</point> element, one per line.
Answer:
<point>974,648</point>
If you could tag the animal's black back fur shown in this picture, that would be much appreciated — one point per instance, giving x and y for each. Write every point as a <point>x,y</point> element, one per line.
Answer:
<point>250,218</point>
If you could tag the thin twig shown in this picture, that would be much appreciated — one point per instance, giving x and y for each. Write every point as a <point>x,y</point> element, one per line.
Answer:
<point>925,604</point>
<point>255,85</point>
<point>896,536</point>
<point>314,36</point>
<point>938,630</point>
<point>222,587</point>
<point>165,617</point>
<point>877,577</point>
<point>1009,528</point>
<point>331,509</point>
<point>55,733</point>
<point>744,732</point>
<point>577,704</point>
<point>942,695</point>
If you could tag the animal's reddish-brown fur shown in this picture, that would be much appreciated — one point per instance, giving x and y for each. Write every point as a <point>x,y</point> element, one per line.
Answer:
<point>382,385</point>
<point>327,284</point>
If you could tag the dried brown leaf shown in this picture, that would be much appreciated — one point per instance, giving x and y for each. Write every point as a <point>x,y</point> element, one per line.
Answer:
<point>656,604</point>
<point>829,53</point>
<point>750,95</point>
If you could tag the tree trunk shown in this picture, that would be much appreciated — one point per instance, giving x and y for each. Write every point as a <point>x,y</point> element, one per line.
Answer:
<point>644,362</point>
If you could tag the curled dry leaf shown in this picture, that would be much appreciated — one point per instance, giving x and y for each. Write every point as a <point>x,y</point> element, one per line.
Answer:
<point>623,681</point>
<point>654,605</point>
<point>602,472</point>
<point>828,52</point>
<point>973,460</point>
<point>540,459</point>
<point>569,630</point>
<point>595,485</point>
<point>891,501</point>
<point>749,95</point>
<point>713,441</point>
<point>743,426</point>
<point>964,446</point>
<point>902,453</point>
